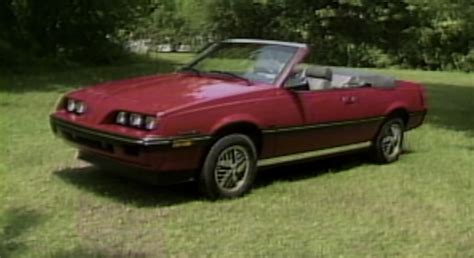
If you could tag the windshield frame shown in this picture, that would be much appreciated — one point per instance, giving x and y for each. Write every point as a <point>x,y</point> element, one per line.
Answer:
<point>301,52</point>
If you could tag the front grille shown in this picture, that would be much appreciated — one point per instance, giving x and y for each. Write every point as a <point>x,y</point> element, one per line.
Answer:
<point>131,150</point>
<point>91,143</point>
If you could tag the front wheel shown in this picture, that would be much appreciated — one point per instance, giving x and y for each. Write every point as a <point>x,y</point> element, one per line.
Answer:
<point>230,167</point>
<point>387,146</point>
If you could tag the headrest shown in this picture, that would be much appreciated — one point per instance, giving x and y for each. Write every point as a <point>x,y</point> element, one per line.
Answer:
<point>320,72</point>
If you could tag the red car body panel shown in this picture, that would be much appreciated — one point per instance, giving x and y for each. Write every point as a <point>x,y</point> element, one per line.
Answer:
<point>191,108</point>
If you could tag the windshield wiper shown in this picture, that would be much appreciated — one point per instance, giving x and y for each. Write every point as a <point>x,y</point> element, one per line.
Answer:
<point>233,75</point>
<point>190,69</point>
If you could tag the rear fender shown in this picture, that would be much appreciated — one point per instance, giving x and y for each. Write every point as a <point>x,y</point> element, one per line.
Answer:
<point>398,105</point>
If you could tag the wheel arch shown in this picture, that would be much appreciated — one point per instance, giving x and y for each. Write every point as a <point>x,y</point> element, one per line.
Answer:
<point>247,128</point>
<point>400,112</point>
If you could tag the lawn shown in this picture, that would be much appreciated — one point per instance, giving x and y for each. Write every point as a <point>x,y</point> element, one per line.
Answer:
<point>54,206</point>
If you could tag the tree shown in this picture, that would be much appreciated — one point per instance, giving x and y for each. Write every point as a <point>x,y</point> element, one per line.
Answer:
<point>444,38</point>
<point>431,34</point>
<point>71,29</point>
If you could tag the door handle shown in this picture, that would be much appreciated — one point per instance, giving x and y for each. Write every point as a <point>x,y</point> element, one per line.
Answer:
<point>349,100</point>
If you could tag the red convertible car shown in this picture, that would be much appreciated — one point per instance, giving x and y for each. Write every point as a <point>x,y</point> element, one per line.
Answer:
<point>242,104</point>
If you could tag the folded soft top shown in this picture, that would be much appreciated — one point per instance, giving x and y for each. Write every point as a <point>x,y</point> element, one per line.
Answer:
<point>343,77</point>
<point>365,77</point>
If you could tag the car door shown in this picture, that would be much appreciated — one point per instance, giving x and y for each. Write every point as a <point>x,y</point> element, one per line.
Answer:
<point>330,118</point>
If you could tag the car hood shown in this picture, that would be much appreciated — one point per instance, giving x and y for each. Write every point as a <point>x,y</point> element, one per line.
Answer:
<point>165,92</point>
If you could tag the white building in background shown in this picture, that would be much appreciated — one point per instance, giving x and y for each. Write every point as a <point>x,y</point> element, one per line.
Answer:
<point>139,46</point>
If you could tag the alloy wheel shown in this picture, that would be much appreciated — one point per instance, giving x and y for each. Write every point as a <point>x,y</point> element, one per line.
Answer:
<point>233,165</point>
<point>391,142</point>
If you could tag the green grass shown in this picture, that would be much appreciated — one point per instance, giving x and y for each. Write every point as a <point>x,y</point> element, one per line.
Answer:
<point>53,206</point>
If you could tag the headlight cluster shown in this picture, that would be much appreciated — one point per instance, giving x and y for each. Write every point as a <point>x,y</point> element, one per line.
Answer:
<point>136,120</point>
<point>75,106</point>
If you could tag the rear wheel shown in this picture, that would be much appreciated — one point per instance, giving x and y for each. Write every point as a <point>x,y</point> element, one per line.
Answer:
<point>388,144</point>
<point>230,167</point>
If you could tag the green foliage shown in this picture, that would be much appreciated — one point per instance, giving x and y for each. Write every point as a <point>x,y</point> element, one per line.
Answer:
<point>413,33</point>
<point>445,35</point>
<point>425,34</point>
<point>83,30</point>
<point>175,21</point>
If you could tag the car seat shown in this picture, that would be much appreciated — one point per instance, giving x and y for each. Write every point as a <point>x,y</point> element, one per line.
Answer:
<point>318,77</point>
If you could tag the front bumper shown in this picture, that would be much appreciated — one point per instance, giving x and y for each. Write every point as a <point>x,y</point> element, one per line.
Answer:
<point>127,170</point>
<point>158,160</point>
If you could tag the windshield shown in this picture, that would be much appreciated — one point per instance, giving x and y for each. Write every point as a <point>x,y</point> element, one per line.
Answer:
<point>248,61</point>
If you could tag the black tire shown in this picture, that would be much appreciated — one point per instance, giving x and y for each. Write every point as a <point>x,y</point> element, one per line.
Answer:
<point>230,168</point>
<point>386,148</point>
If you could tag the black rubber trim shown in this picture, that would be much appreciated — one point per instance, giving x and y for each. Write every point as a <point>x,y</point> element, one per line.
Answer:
<point>418,113</point>
<point>325,125</point>
<point>334,124</point>
<point>59,124</point>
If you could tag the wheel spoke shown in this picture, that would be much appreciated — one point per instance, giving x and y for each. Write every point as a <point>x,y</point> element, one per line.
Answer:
<point>233,156</point>
<point>223,167</point>
<point>387,140</point>
<point>229,181</point>
<point>241,165</point>
<point>223,170</point>
<point>391,148</point>
<point>221,175</point>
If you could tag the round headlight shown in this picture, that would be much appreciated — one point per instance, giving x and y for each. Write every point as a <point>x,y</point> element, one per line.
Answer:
<point>80,107</point>
<point>136,120</point>
<point>121,118</point>
<point>71,105</point>
<point>150,123</point>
